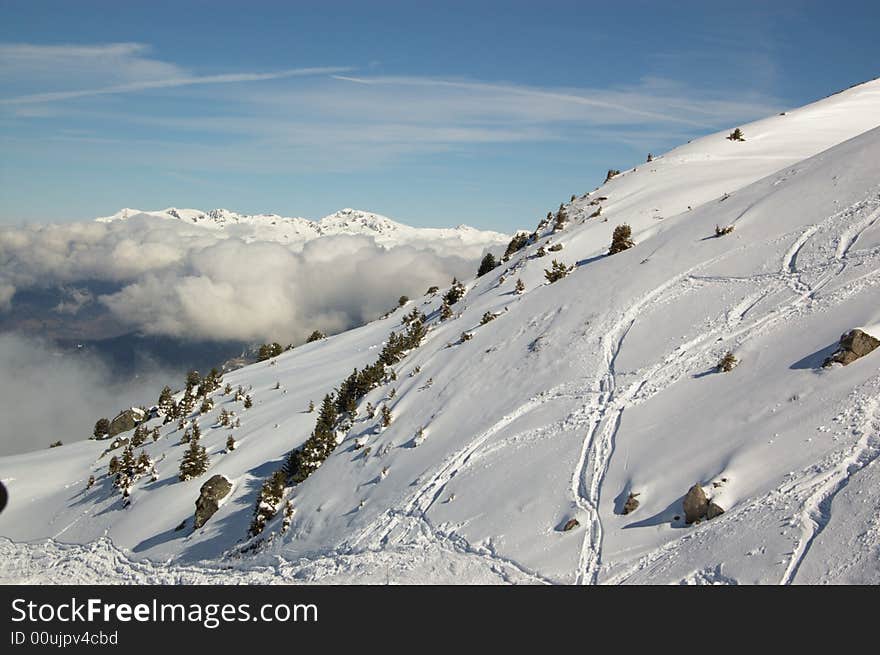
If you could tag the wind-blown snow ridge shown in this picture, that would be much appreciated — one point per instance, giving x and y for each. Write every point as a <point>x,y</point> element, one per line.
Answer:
<point>577,393</point>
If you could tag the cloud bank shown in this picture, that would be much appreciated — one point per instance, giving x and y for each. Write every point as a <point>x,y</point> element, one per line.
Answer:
<point>189,282</point>
<point>46,396</point>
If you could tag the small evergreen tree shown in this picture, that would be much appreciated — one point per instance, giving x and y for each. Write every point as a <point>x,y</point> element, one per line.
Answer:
<point>227,389</point>
<point>432,290</point>
<point>248,403</point>
<point>113,467</point>
<point>102,428</point>
<point>520,286</point>
<point>230,443</point>
<point>402,301</point>
<point>90,483</point>
<point>288,516</point>
<point>311,406</point>
<point>612,173</point>
<point>736,135</point>
<point>166,402</point>
<point>371,411</point>
<point>727,363</point>
<point>445,311</point>
<point>621,239</point>
<point>155,434</point>
<point>486,265</point>
<point>55,444</point>
<point>518,242</point>
<point>317,335</point>
<point>386,416</point>
<point>488,316</point>
<point>557,271</point>
<point>456,292</point>
<point>194,463</point>
<point>268,500</point>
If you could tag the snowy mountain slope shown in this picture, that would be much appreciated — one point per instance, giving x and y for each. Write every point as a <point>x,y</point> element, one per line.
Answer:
<point>296,232</point>
<point>577,394</point>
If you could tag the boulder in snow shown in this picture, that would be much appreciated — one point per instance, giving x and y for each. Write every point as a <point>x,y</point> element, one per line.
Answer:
<point>570,524</point>
<point>695,504</point>
<point>126,420</point>
<point>853,345</point>
<point>210,495</point>
<point>714,510</point>
<point>631,504</point>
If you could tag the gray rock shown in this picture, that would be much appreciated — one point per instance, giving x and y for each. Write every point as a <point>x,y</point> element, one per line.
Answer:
<point>210,495</point>
<point>714,510</point>
<point>695,504</point>
<point>853,345</point>
<point>126,420</point>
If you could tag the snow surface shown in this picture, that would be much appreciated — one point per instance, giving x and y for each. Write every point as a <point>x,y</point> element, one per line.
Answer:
<point>577,394</point>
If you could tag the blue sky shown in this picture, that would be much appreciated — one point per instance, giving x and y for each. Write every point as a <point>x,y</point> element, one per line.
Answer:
<point>486,113</point>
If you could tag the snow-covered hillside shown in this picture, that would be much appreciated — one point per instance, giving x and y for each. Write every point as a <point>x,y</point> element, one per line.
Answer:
<point>296,232</point>
<point>575,394</point>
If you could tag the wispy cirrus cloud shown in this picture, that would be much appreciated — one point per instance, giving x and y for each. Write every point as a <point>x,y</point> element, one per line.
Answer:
<point>127,63</point>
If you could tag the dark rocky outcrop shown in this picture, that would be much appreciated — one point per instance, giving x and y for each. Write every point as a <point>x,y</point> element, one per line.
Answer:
<point>695,504</point>
<point>853,345</point>
<point>210,495</point>
<point>126,420</point>
<point>570,524</point>
<point>631,504</point>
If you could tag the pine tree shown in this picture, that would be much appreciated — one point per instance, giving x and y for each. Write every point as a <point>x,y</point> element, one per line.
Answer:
<point>371,411</point>
<point>113,467</point>
<point>487,317</point>
<point>227,389</point>
<point>288,516</point>
<point>621,239</point>
<point>139,436</point>
<point>486,265</point>
<point>186,437</point>
<point>456,292</point>
<point>166,402</point>
<point>386,416</point>
<point>90,483</point>
<point>248,403</point>
<point>155,434</point>
<point>206,406</point>
<point>268,500</point>
<point>402,301</point>
<point>311,406</point>
<point>193,381</point>
<point>557,271</point>
<point>197,431</point>
<point>520,286</point>
<point>736,135</point>
<point>194,463</point>
<point>518,242</point>
<point>102,428</point>
<point>317,335</point>
<point>445,311</point>
<point>230,443</point>
<point>727,363</point>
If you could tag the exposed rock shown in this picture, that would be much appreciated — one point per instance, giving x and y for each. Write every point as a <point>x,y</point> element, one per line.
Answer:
<point>570,524</point>
<point>714,510</point>
<point>695,504</point>
<point>210,495</point>
<point>126,420</point>
<point>631,504</point>
<point>853,345</point>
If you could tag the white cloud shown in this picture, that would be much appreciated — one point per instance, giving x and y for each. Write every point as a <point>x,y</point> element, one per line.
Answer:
<point>184,281</point>
<point>46,396</point>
